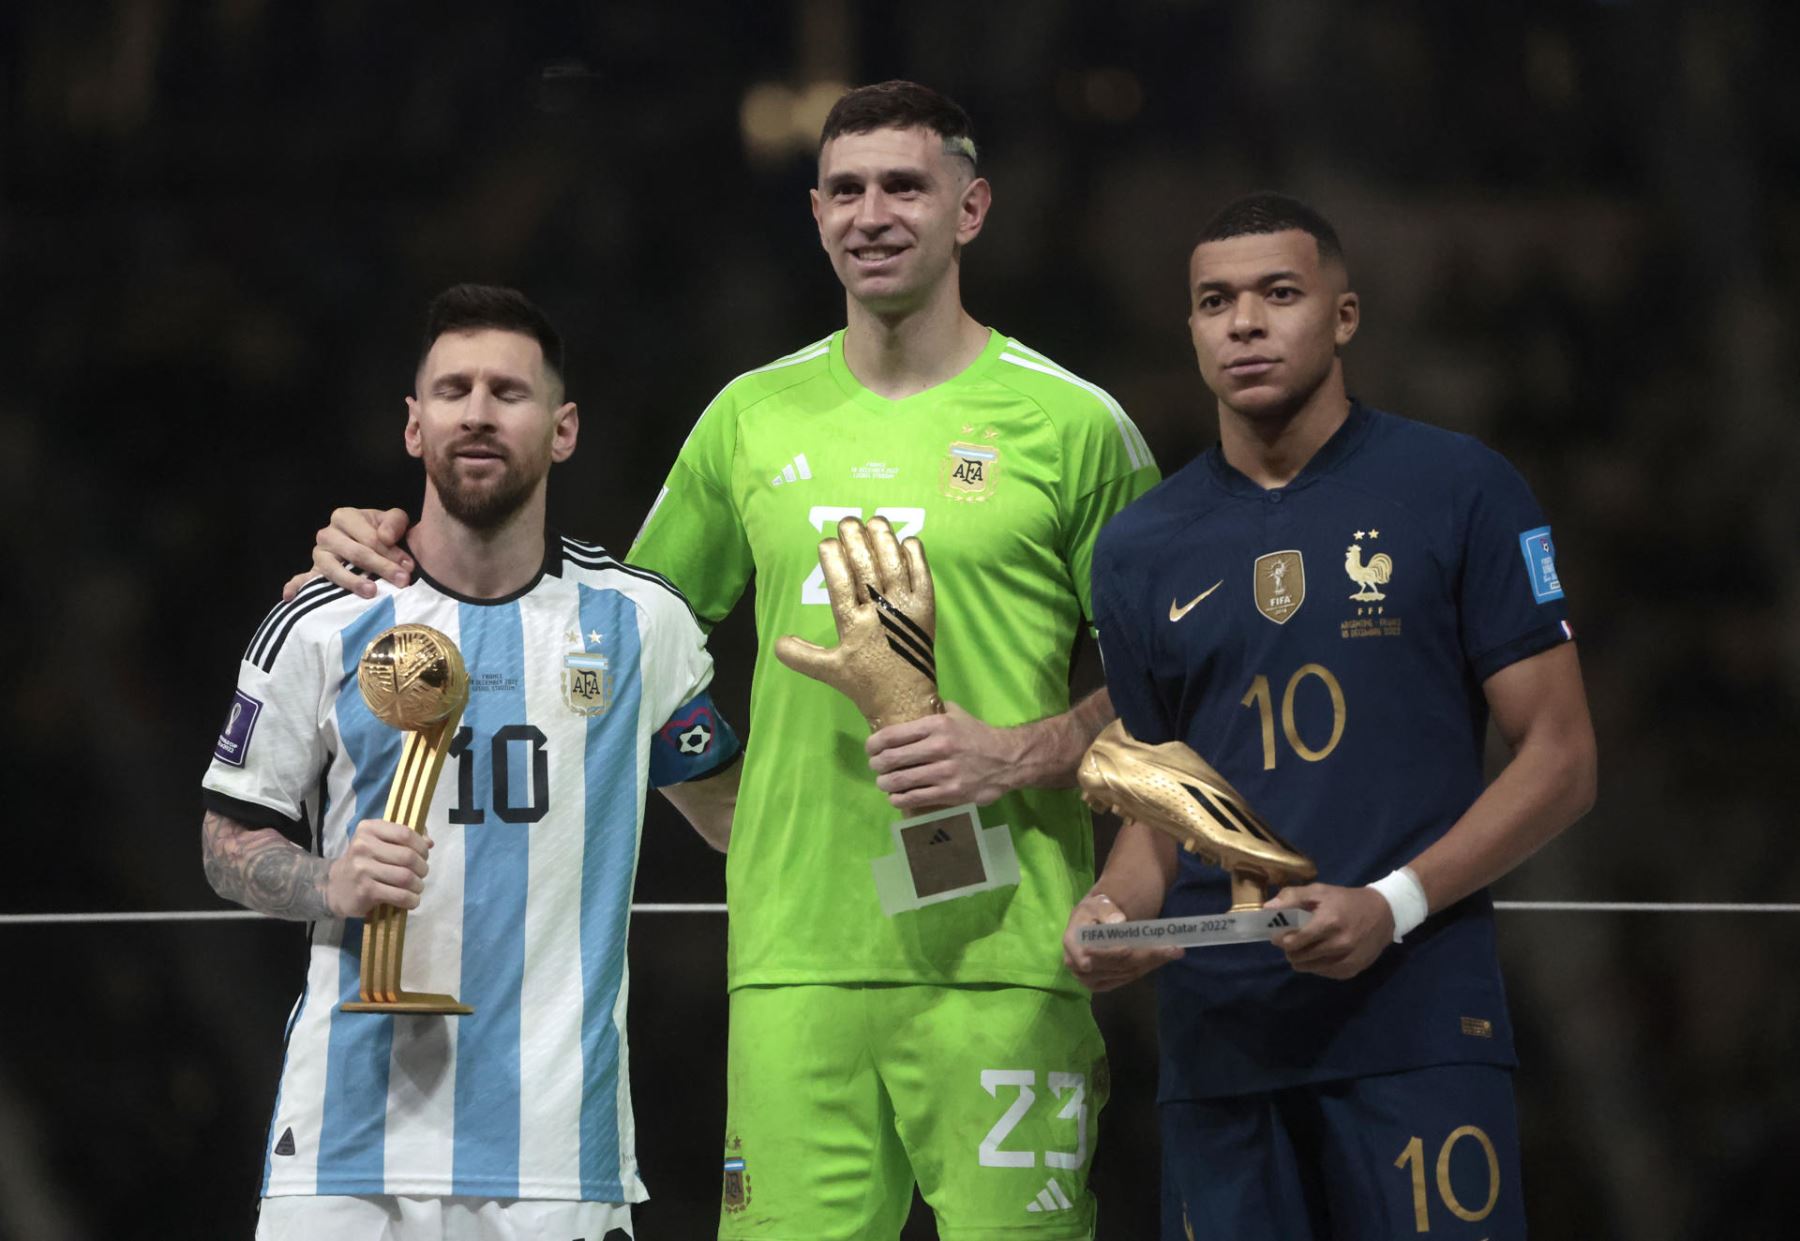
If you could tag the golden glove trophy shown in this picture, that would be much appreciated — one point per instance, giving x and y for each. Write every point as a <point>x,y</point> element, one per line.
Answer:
<point>886,663</point>
<point>881,598</point>
<point>413,679</point>
<point>1174,790</point>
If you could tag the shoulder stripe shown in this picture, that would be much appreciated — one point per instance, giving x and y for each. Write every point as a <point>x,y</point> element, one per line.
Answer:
<point>803,354</point>
<point>306,594</point>
<point>582,547</point>
<point>1136,450</point>
<point>604,561</point>
<point>817,349</point>
<point>1021,347</point>
<point>280,637</point>
<point>654,505</point>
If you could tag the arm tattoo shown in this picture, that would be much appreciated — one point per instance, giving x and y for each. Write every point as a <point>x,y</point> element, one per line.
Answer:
<point>263,870</point>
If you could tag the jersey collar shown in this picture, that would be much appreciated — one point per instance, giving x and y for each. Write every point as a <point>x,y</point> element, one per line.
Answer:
<point>1332,453</point>
<point>552,567</point>
<point>973,373</point>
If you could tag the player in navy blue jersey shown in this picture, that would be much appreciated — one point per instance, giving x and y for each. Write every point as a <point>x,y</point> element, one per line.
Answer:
<point>588,684</point>
<point>1329,606</point>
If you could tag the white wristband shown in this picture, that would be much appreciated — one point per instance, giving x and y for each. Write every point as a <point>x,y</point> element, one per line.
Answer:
<point>1405,897</point>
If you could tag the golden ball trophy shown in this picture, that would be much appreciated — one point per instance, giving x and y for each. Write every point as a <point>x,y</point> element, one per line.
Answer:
<point>413,679</point>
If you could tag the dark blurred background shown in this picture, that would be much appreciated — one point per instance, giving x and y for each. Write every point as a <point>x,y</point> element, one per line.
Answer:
<point>1576,230</point>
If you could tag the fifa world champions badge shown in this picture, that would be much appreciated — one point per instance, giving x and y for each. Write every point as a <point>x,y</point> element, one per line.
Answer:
<point>1280,584</point>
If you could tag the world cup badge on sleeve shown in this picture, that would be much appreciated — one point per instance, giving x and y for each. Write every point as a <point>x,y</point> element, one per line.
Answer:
<point>972,466</point>
<point>587,679</point>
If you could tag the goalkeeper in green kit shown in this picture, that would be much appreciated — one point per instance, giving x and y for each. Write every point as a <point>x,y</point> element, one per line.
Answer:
<point>899,1008</point>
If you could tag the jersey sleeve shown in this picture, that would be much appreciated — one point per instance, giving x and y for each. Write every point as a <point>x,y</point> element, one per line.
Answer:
<point>694,740</point>
<point>1511,600</point>
<point>271,749</point>
<point>1106,465</point>
<point>1129,680</point>
<point>694,535</point>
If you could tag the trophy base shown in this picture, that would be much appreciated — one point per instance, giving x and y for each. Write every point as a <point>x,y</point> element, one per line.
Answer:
<point>1201,931</point>
<point>418,1004</point>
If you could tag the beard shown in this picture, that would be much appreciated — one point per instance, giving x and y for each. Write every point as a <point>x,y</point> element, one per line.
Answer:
<point>480,505</point>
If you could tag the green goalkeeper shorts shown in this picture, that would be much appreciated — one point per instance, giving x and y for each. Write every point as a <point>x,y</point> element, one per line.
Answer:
<point>842,1097</point>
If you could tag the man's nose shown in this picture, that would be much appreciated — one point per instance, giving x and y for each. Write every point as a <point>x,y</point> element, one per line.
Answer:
<point>1247,316</point>
<point>479,409</point>
<point>873,211</point>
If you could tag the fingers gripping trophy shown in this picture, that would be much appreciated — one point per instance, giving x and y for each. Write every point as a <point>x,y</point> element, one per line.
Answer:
<point>413,679</point>
<point>1174,790</point>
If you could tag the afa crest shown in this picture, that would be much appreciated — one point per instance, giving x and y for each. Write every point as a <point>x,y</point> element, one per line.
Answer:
<point>736,1195</point>
<point>971,466</point>
<point>587,679</point>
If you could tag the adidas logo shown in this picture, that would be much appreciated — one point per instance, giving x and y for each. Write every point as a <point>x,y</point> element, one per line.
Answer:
<point>286,1145</point>
<point>940,837</point>
<point>1277,920</point>
<point>1050,1198</point>
<point>793,471</point>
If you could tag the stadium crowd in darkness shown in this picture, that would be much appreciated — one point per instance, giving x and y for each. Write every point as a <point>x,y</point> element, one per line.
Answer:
<point>1575,237</point>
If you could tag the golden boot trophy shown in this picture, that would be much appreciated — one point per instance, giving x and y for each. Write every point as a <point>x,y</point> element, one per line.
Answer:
<point>413,679</point>
<point>1174,790</point>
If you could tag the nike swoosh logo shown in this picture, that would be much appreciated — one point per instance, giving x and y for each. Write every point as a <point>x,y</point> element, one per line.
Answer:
<point>1176,613</point>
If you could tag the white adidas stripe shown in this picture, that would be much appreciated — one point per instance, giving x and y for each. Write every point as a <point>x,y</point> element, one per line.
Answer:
<point>1136,451</point>
<point>1051,1198</point>
<point>817,349</point>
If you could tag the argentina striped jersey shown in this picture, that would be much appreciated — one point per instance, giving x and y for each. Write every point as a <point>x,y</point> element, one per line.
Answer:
<point>587,686</point>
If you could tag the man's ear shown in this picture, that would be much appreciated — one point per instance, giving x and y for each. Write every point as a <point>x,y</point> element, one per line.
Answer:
<point>568,427</point>
<point>415,444</point>
<point>1349,318</point>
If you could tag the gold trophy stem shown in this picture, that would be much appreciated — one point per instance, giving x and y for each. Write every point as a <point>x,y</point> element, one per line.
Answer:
<point>1246,891</point>
<point>384,930</point>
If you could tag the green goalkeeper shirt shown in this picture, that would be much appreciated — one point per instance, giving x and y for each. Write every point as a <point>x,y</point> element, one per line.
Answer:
<point>1006,473</point>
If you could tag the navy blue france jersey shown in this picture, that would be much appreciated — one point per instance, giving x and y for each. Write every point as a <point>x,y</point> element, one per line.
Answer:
<point>1324,645</point>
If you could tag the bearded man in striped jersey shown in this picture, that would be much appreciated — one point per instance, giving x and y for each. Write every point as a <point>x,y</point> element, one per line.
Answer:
<point>589,683</point>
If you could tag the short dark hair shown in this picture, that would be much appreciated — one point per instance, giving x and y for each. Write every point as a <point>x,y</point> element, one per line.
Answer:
<point>901,105</point>
<point>471,307</point>
<point>1269,212</point>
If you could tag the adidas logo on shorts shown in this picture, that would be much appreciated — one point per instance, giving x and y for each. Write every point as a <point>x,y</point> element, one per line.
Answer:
<point>1050,1198</point>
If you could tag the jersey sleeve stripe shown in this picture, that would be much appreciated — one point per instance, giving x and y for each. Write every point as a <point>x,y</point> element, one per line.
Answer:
<point>660,497</point>
<point>1136,451</point>
<point>581,547</point>
<point>1117,409</point>
<point>817,349</point>
<point>280,612</point>
<point>267,662</point>
<point>805,353</point>
<point>603,561</point>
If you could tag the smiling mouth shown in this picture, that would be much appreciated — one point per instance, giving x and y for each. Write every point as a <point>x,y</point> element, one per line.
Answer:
<point>875,254</point>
